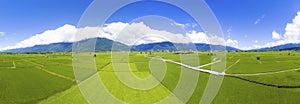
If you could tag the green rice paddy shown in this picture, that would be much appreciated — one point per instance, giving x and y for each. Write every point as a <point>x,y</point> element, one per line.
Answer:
<point>49,78</point>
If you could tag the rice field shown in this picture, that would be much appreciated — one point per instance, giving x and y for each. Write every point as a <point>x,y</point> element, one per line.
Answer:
<point>49,78</point>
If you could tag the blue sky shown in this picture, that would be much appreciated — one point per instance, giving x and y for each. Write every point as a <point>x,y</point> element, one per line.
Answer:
<point>248,22</point>
<point>21,19</point>
<point>240,16</point>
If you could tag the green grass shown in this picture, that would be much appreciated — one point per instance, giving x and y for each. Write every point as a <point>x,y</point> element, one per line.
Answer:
<point>270,61</point>
<point>234,91</point>
<point>4,64</point>
<point>70,96</point>
<point>27,83</point>
<point>56,63</point>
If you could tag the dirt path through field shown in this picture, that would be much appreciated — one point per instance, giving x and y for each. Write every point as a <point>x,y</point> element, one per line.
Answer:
<point>41,67</point>
<point>236,75</point>
<point>233,64</point>
<point>209,64</point>
<point>193,68</point>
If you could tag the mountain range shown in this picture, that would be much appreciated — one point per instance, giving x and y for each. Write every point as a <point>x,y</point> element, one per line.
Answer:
<point>284,47</point>
<point>104,45</point>
<point>181,46</point>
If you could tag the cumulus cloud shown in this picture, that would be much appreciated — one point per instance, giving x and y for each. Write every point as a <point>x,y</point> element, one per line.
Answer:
<point>61,34</point>
<point>198,37</point>
<point>232,43</point>
<point>292,30</point>
<point>88,32</point>
<point>139,33</point>
<point>291,35</point>
<point>127,33</point>
<point>275,35</point>
<point>2,33</point>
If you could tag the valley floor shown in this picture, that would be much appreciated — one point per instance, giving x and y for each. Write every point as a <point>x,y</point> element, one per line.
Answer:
<point>49,78</point>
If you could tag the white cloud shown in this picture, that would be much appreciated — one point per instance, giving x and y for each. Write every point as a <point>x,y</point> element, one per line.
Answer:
<point>140,32</point>
<point>291,35</point>
<point>129,34</point>
<point>2,33</point>
<point>87,32</point>
<point>232,43</point>
<point>255,41</point>
<point>292,30</point>
<point>180,25</point>
<point>62,34</point>
<point>198,37</point>
<point>229,31</point>
<point>259,19</point>
<point>193,25</point>
<point>275,35</point>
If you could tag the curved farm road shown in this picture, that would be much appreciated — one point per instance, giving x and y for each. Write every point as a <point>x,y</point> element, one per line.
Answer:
<point>235,75</point>
<point>194,68</point>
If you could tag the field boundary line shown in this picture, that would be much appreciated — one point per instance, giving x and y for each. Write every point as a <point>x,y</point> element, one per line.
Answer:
<point>209,64</point>
<point>9,67</point>
<point>13,67</point>
<point>14,64</point>
<point>265,73</point>
<point>57,75</point>
<point>56,94</point>
<point>194,68</point>
<point>5,61</point>
<point>236,75</point>
<point>236,62</point>
<point>102,67</point>
<point>97,72</point>
<point>171,93</point>
<point>41,67</point>
<point>263,83</point>
<point>34,63</point>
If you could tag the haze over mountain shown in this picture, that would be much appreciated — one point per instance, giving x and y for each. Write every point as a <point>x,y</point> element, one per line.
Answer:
<point>103,44</point>
<point>181,46</point>
<point>284,47</point>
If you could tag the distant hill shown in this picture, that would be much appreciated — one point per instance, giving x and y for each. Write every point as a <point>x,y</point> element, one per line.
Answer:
<point>180,46</point>
<point>103,44</point>
<point>285,47</point>
<point>55,47</point>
